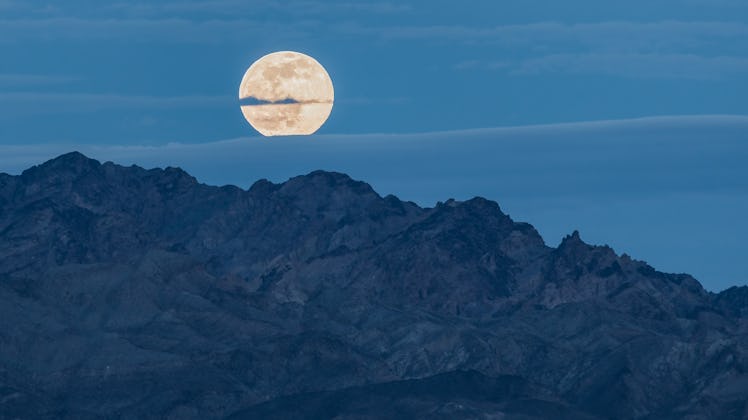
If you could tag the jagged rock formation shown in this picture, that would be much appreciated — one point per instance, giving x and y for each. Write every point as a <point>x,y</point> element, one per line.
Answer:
<point>133,293</point>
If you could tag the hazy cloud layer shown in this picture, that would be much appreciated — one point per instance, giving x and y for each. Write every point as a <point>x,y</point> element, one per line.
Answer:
<point>617,36</point>
<point>650,187</point>
<point>641,156</point>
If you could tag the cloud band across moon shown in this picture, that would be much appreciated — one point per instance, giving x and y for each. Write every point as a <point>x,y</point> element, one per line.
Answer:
<point>251,101</point>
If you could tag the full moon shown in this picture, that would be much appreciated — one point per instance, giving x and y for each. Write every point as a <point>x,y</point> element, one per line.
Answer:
<point>290,93</point>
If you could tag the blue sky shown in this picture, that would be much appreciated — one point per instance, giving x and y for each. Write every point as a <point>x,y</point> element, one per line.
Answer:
<point>653,164</point>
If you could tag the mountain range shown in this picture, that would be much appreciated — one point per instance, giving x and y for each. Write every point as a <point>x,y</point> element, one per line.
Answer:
<point>128,293</point>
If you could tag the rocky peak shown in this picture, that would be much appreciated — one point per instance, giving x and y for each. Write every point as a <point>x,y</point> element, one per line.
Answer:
<point>263,187</point>
<point>573,248</point>
<point>173,178</point>
<point>573,242</point>
<point>73,163</point>
<point>59,176</point>
<point>331,196</point>
<point>325,183</point>
<point>476,206</point>
<point>476,210</point>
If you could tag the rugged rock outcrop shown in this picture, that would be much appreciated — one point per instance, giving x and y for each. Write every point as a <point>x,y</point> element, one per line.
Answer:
<point>133,293</point>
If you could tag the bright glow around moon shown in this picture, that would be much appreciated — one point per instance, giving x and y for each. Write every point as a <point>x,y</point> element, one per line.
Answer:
<point>290,93</point>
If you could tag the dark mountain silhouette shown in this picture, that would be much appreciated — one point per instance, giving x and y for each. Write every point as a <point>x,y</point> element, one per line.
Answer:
<point>132,293</point>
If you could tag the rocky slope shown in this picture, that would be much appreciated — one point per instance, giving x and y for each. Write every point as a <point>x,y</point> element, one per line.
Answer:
<point>133,293</point>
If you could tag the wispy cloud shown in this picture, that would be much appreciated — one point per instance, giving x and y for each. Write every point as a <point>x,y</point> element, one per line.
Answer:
<point>620,36</point>
<point>685,50</point>
<point>18,80</point>
<point>14,104</point>
<point>286,7</point>
<point>171,30</point>
<point>633,65</point>
<point>207,9</point>
<point>668,49</point>
<point>360,100</point>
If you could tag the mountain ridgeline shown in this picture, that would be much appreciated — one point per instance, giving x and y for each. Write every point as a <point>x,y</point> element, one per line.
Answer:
<point>131,293</point>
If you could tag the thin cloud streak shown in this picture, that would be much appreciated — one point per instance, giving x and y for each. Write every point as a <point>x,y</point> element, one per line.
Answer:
<point>664,66</point>
<point>621,36</point>
<point>164,31</point>
<point>210,8</point>
<point>15,104</point>
<point>18,80</point>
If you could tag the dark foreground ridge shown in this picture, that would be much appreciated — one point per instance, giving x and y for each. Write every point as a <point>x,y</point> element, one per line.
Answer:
<point>131,293</point>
